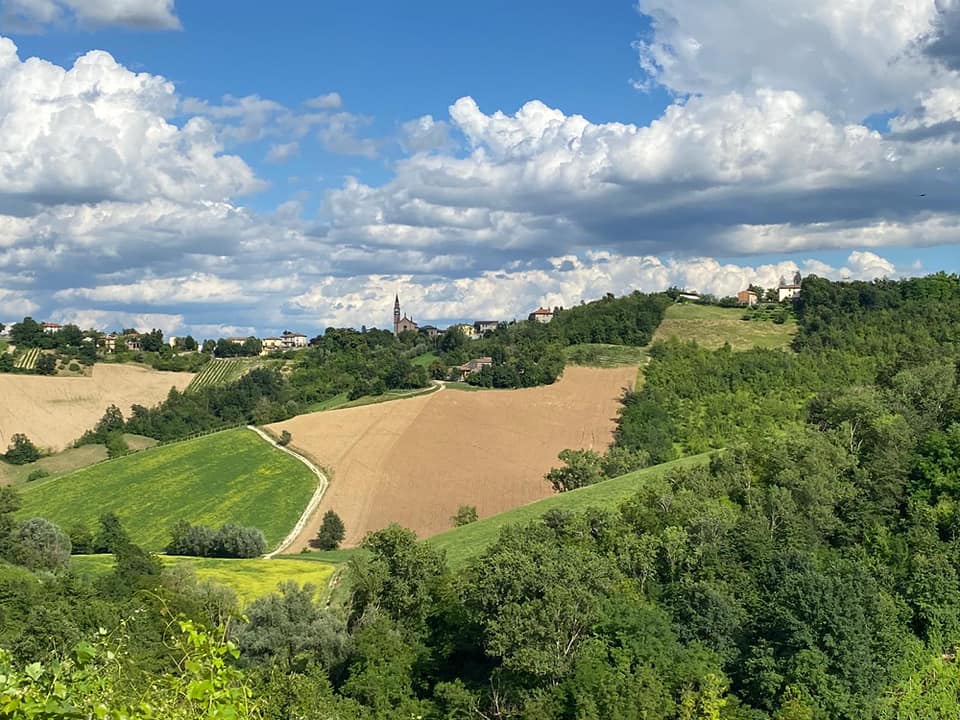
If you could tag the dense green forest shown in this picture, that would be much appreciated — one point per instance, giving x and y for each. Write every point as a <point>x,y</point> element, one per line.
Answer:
<point>809,571</point>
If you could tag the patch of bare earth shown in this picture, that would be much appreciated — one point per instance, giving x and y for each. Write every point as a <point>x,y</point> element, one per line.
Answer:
<point>416,461</point>
<point>55,411</point>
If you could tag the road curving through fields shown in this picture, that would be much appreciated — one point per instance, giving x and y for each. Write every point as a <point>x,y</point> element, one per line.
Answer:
<point>315,499</point>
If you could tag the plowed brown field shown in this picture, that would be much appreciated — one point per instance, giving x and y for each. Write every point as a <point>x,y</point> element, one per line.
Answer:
<point>55,411</point>
<point>416,461</point>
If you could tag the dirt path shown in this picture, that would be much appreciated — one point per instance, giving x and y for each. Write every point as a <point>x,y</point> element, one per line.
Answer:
<point>315,499</point>
<point>415,461</point>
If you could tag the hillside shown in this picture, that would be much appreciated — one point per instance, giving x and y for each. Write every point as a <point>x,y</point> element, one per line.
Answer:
<point>468,541</point>
<point>416,461</point>
<point>221,371</point>
<point>232,476</point>
<point>55,411</point>
<point>712,326</point>
<point>69,460</point>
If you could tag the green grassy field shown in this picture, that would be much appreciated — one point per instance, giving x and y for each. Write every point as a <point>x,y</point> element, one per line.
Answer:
<point>250,579</point>
<point>425,360</point>
<point>68,460</point>
<point>470,540</point>
<point>232,476</point>
<point>467,387</point>
<point>601,355</point>
<point>712,326</point>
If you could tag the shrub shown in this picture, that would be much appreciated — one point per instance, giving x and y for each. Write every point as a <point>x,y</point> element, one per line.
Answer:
<point>240,542</point>
<point>582,468</point>
<point>81,540</point>
<point>111,537</point>
<point>74,367</point>
<point>331,532</point>
<point>41,545</point>
<point>285,438</point>
<point>47,364</point>
<point>37,474</point>
<point>466,514</point>
<point>21,451</point>
<point>230,541</point>
<point>111,423</point>
<point>194,540</point>
<point>116,445</point>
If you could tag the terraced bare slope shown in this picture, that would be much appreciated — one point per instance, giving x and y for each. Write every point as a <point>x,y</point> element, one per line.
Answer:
<point>54,411</point>
<point>415,461</point>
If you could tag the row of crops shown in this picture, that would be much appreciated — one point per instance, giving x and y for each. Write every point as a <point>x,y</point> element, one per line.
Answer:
<point>28,359</point>
<point>221,371</point>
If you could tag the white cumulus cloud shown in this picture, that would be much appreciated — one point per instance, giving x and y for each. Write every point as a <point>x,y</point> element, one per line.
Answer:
<point>34,15</point>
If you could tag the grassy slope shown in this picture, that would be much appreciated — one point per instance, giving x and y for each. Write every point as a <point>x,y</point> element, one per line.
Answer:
<point>232,476</point>
<point>601,355</point>
<point>248,578</point>
<point>425,360</point>
<point>712,326</point>
<point>342,401</point>
<point>465,542</point>
<point>68,460</point>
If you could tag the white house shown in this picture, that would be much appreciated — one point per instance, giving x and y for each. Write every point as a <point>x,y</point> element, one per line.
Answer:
<point>483,326</point>
<point>789,290</point>
<point>541,315</point>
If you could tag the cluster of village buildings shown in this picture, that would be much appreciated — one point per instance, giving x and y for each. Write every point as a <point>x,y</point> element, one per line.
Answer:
<point>474,331</point>
<point>786,290</point>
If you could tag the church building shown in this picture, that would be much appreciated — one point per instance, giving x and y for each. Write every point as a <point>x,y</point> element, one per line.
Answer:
<point>402,324</point>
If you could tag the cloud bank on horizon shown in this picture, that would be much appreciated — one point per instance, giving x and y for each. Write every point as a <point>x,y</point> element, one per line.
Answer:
<point>122,199</point>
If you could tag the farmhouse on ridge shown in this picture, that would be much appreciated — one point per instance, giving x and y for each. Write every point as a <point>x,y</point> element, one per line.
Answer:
<point>541,315</point>
<point>287,341</point>
<point>747,297</point>
<point>789,290</point>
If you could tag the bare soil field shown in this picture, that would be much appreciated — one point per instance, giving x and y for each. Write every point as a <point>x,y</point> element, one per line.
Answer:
<point>416,461</point>
<point>55,411</point>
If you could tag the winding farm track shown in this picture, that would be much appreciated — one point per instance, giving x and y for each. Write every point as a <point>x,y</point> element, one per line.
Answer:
<point>322,484</point>
<point>417,460</point>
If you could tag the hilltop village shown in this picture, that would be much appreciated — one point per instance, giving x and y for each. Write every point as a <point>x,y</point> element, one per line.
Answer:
<point>50,348</point>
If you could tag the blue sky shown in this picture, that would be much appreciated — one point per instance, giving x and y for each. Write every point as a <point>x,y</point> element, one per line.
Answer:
<point>296,164</point>
<point>389,62</point>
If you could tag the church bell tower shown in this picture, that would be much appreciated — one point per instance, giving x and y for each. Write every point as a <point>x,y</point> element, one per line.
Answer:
<point>396,315</point>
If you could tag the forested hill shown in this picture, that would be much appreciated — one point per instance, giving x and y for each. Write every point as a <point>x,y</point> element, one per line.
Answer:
<point>810,571</point>
<point>892,333</point>
<point>897,322</point>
